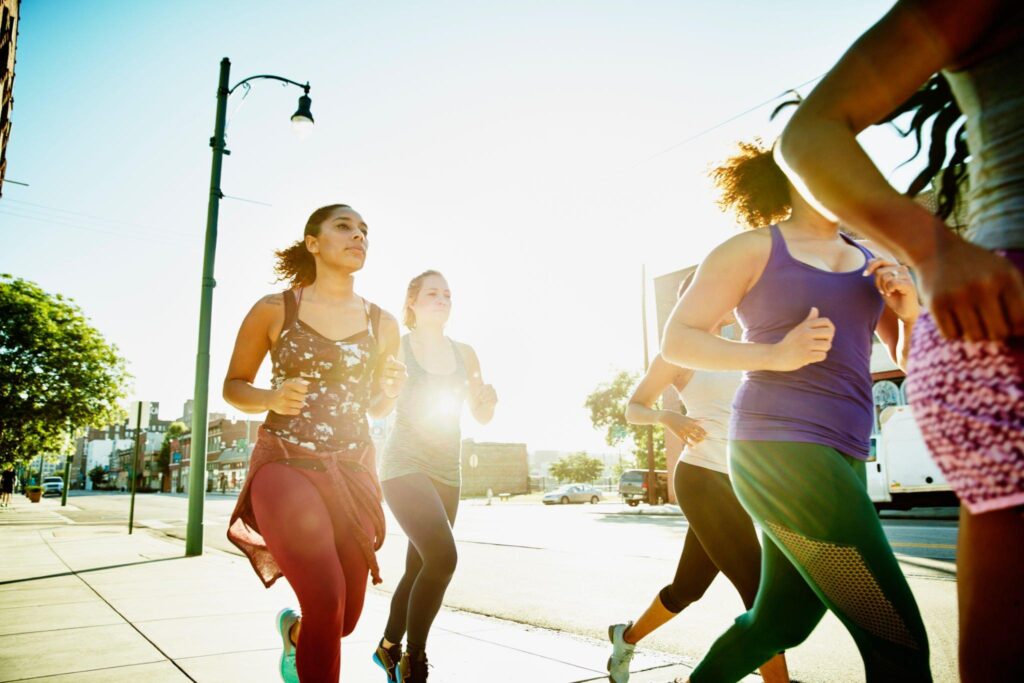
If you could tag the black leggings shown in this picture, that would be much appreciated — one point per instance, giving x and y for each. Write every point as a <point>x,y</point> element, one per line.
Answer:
<point>426,511</point>
<point>720,537</point>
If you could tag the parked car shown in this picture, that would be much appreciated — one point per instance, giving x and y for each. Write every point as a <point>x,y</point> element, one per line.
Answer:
<point>53,486</point>
<point>633,486</point>
<point>573,493</point>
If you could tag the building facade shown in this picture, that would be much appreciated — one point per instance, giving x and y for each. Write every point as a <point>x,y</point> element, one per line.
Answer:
<point>8,42</point>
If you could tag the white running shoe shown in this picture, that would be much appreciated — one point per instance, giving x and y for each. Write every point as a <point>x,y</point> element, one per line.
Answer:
<point>622,653</point>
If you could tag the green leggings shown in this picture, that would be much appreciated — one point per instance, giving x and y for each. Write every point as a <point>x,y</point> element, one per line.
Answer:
<point>823,549</point>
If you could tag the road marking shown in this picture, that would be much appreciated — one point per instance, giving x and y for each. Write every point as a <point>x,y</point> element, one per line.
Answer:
<point>942,546</point>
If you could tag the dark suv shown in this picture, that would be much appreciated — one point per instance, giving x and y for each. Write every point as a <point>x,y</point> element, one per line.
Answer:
<point>633,486</point>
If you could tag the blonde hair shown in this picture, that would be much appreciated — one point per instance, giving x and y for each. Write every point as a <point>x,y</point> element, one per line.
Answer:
<point>415,285</point>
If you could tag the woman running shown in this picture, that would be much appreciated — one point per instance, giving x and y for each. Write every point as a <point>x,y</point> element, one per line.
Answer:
<point>966,382</point>
<point>310,508</point>
<point>801,420</point>
<point>421,469</point>
<point>720,535</point>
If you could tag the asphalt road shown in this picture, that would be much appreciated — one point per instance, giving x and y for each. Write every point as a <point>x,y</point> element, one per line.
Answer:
<point>581,567</point>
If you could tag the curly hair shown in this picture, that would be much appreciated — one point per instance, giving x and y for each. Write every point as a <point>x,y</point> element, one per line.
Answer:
<point>415,285</point>
<point>752,186</point>
<point>294,263</point>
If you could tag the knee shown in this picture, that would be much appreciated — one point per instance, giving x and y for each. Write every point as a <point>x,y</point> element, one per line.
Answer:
<point>676,598</point>
<point>441,562</point>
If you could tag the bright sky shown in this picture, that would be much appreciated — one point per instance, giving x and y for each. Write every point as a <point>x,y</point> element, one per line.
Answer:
<point>507,144</point>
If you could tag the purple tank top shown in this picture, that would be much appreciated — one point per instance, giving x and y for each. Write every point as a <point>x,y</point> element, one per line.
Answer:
<point>827,403</point>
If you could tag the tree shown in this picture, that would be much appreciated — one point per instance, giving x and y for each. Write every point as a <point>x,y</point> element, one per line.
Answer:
<point>607,405</point>
<point>97,475</point>
<point>577,467</point>
<point>174,431</point>
<point>56,371</point>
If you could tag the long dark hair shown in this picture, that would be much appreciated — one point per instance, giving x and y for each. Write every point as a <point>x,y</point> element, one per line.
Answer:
<point>934,102</point>
<point>295,264</point>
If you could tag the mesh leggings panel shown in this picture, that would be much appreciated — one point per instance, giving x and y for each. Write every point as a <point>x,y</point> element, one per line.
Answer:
<point>842,574</point>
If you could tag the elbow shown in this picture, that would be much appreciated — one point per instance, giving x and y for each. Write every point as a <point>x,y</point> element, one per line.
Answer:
<point>631,413</point>
<point>794,146</point>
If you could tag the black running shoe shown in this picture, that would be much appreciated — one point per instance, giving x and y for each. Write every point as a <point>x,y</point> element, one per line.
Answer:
<point>389,659</point>
<point>414,668</point>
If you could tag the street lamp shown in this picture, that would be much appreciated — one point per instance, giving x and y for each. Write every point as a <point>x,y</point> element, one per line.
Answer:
<point>302,118</point>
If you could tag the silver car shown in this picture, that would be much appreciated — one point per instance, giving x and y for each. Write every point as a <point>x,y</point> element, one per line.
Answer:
<point>573,493</point>
<point>53,486</point>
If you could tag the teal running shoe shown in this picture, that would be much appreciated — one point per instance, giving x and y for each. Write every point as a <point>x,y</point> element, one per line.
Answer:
<point>286,618</point>
<point>388,658</point>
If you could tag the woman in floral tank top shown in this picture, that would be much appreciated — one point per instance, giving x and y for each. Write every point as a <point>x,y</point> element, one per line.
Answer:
<point>310,509</point>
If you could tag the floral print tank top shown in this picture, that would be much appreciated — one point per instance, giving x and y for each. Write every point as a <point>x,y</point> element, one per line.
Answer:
<point>340,376</point>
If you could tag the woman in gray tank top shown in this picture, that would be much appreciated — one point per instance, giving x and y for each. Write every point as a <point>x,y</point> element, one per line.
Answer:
<point>421,469</point>
<point>966,373</point>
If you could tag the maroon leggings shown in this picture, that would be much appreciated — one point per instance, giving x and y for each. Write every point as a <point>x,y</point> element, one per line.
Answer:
<point>324,566</point>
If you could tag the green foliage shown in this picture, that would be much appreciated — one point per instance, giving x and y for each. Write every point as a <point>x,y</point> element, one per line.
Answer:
<point>97,475</point>
<point>577,467</point>
<point>607,405</point>
<point>56,371</point>
<point>174,431</point>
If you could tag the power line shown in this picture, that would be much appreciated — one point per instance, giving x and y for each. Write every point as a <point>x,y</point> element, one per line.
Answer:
<point>79,214</point>
<point>75,226</point>
<point>722,123</point>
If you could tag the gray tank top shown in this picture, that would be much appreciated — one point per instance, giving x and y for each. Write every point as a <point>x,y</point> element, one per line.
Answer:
<point>426,437</point>
<point>991,94</point>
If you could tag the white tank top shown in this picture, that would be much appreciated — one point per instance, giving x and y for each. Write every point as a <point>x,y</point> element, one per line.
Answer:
<point>708,399</point>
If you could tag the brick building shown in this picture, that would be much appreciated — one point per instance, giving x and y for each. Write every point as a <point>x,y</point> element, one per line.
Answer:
<point>8,43</point>
<point>232,439</point>
<point>501,467</point>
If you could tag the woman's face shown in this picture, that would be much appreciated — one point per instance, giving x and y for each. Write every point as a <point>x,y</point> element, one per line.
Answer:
<point>433,303</point>
<point>342,242</point>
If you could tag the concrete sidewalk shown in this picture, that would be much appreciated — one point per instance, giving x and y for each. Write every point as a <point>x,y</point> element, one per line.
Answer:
<point>91,603</point>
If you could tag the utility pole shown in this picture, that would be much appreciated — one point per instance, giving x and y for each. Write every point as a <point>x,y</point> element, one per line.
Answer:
<point>652,479</point>
<point>135,466</point>
<point>67,470</point>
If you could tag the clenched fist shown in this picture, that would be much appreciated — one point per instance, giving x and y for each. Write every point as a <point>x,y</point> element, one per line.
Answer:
<point>808,342</point>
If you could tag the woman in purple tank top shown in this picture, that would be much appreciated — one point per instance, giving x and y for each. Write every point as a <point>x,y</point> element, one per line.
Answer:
<point>810,300</point>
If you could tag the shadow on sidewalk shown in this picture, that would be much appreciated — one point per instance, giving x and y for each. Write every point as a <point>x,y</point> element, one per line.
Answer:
<point>86,571</point>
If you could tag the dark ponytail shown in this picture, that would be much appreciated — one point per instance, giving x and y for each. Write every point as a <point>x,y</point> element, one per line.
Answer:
<point>295,264</point>
<point>752,186</point>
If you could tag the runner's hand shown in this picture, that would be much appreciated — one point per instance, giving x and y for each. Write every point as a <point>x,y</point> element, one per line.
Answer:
<point>689,431</point>
<point>290,397</point>
<point>393,376</point>
<point>896,287</point>
<point>808,342</point>
<point>972,293</point>
<point>486,397</point>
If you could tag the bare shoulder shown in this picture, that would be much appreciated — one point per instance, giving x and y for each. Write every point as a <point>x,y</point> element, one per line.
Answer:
<point>467,352</point>
<point>269,308</point>
<point>747,248</point>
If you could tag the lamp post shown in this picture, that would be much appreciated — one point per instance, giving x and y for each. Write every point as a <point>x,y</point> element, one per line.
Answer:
<point>197,488</point>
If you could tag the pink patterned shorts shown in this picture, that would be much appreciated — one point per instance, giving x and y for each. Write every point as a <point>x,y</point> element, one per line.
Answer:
<point>968,398</point>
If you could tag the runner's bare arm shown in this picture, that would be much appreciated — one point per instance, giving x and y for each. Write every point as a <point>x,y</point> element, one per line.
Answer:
<point>482,397</point>
<point>385,393</point>
<point>721,282</point>
<point>251,346</point>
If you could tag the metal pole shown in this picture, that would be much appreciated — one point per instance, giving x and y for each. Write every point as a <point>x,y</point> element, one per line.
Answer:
<point>197,475</point>
<point>652,481</point>
<point>135,467</point>
<point>67,471</point>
